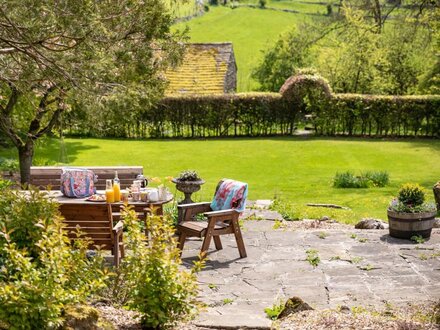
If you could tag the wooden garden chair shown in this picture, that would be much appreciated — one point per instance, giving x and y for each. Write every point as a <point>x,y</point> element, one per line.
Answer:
<point>219,222</point>
<point>95,222</point>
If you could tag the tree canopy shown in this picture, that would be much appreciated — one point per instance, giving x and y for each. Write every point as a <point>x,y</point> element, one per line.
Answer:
<point>101,51</point>
<point>371,47</point>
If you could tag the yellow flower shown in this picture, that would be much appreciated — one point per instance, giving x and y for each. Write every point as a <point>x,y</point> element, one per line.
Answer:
<point>156,180</point>
<point>169,178</point>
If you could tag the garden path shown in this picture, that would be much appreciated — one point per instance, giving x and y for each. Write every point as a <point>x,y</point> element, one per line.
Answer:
<point>357,268</point>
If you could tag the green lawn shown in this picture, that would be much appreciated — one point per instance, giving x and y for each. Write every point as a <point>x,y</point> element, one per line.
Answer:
<point>250,31</point>
<point>297,170</point>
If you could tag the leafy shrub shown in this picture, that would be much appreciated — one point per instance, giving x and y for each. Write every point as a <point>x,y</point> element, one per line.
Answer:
<point>262,3</point>
<point>411,194</point>
<point>274,311</point>
<point>149,278</point>
<point>5,184</point>
<point>188,175</point>
<point>377,178</point>
<point>40,277</point>
<point>19,215</point>
<point>9,164</point>
<point>349,180</point>
<point>365,180</point>
<point>411,199</point>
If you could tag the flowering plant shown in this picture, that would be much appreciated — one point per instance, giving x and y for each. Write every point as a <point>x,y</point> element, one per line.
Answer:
<point>411,199</point>
<point>188,175</point>
<point>158,180</point>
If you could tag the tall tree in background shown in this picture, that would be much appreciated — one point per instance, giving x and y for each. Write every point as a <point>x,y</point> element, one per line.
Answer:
<point>369,46</point>
<point>289,54</point>
<point>51,51</point>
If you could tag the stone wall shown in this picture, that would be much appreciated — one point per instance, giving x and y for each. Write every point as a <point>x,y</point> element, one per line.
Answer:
<point>231,75</point>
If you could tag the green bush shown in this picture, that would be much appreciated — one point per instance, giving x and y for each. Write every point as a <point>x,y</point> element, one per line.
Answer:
<point>411,194</point>
<point>377,178</point>
<point>365,180</point>
<point>20,214</point>
<point>411,199</point>
<point>8,164</point>
<point>349,180</point>
<point>150,279</point>
<point>40,274</point>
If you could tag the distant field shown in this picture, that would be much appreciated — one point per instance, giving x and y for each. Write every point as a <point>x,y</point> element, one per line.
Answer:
<point>250,31</point>
<point>297,170</point>
<point>306,6</point>
<point>181,8</point>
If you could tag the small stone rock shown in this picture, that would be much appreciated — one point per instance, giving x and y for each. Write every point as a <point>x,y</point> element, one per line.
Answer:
<point>294,305</point>
<point>345,309</point>
<point>436,223</point>
<point>324,218</point>
<point>368,223</point>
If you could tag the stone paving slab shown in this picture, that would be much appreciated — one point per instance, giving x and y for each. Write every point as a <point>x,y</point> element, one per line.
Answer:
<point>369,268</point>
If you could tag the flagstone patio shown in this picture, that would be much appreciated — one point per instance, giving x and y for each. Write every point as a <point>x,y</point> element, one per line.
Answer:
<point>357,268</point>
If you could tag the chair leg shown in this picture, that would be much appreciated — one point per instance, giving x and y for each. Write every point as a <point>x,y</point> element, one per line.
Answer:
<point>206,242</point>
<point>182,238</point>
<point>239,239</point>
<point>218,243</point>
<point>116,253</point>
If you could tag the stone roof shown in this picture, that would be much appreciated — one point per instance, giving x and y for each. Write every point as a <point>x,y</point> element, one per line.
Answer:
<point>206,69</point>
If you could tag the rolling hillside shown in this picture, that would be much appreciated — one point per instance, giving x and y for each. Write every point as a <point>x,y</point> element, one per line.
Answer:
<point>250,30</point>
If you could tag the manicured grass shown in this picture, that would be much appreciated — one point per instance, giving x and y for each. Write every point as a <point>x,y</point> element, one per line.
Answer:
<point>297,170</point>
<point>250,31</point>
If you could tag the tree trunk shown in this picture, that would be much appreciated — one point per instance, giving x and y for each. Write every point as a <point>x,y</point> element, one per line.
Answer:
<point>25,156</point>
<point>436,190</point>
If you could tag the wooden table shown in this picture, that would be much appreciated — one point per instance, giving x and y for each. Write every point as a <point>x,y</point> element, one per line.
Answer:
<point>139,207</point>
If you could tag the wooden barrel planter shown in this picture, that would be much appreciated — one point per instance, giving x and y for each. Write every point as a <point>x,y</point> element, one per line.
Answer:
<point>407,225</point>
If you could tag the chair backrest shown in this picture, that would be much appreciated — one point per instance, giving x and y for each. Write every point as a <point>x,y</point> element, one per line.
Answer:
<point>230,194</point>
<point>43,176</point>
<point>94,220</point>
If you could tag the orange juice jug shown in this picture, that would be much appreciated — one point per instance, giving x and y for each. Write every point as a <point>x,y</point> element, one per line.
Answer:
<point>109,193</point>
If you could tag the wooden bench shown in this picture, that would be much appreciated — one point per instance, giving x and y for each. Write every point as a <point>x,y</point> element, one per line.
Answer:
<point>44,176</point>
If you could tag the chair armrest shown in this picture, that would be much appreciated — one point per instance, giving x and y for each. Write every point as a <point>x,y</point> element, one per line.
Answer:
<point>194,205</point>
<point>221,213</point>
<point>118,228</point>
<point>186,212</point>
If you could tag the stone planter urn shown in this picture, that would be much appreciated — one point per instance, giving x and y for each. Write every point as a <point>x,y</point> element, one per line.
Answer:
<point>407,225</point>
<point>188,188</point>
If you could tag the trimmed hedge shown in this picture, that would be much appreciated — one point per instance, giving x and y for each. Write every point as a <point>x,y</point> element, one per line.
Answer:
<point>374,115</point>
<point>263,114</point>
<point>250,114</point>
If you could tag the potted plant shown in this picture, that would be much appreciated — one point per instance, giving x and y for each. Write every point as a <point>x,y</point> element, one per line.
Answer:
<point>409,215</point>
<point>188,182</point>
